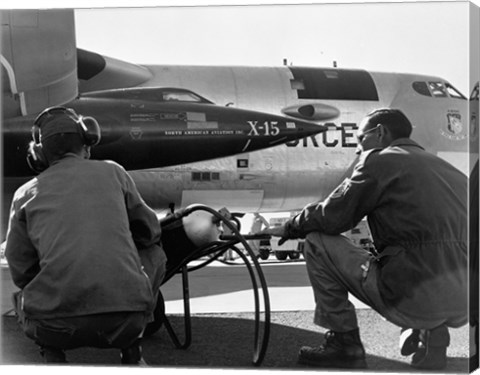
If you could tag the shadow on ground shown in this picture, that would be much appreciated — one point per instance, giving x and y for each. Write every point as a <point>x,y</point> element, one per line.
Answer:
<point>226,341</point>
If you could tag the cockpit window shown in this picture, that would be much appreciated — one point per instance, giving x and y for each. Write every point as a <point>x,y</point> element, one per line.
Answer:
<point>421,88</point>
<point>453,92</point>
<point>154,94</point>
<point>180,96</point>
<point>437,89</point>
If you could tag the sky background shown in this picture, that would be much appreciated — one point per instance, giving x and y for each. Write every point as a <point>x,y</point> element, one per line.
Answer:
<point>409,37</point>
<point>429,37</point>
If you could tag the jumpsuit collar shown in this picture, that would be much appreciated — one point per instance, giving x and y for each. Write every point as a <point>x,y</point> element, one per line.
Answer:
<point>405,142</point>
<point>68,155</point>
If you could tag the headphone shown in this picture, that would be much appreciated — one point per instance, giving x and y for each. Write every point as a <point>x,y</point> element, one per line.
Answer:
<point>87,128</point>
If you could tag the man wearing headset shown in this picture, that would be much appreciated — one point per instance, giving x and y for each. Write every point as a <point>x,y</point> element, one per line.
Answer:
<point>80,245</point>
<point>416,205</point>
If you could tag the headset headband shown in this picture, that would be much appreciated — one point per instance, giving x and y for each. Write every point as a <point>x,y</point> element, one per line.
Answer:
<point>50,112</point>
<point>87,126</point>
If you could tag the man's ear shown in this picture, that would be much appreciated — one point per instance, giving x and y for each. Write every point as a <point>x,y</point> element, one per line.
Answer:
<point>86,152</point>
<point>382,131</point>
<point>384,135</point>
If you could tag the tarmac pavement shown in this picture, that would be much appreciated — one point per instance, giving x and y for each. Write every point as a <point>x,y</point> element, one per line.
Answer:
<point>222,326</point>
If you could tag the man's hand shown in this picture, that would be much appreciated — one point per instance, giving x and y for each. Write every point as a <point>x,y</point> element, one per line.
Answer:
<point>276,231</point>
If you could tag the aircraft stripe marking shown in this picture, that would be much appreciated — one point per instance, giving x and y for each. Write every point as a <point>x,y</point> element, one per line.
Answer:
<point>246,145</point>
<point>277,141</point>
<point>13,83</point>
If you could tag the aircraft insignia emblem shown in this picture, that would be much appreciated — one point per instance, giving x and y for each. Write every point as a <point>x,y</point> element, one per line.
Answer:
<point>341,189</point>
<point>454,123</point>
<point>454,130</point>
<point>136,133</point>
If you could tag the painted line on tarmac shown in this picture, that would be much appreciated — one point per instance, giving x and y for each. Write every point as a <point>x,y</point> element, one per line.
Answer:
<point>281,299</point>
<point>263,263</point>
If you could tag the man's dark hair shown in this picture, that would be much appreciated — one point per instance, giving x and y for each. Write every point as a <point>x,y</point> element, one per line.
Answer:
<point>395,120</point>
<point>57,145</point>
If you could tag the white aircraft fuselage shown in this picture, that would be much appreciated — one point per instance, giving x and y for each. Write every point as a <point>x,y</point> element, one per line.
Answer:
<point>287,177</point>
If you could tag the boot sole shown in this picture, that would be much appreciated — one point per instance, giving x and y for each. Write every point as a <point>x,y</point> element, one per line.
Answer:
<point>434,359</point>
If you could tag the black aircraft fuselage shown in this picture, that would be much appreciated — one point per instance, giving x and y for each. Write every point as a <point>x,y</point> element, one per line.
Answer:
<point>146,128</point>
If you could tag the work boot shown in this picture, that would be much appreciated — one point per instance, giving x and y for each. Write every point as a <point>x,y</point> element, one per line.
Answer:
<point>132,355</point>
<point>409,341</point>
<point>432,351</point>
<point>52,355</point>
<point>340,350</point>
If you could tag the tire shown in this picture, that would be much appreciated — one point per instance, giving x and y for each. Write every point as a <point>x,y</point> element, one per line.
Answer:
<point>294,255</point>
<point>281,255</point>
<point>264,254</point>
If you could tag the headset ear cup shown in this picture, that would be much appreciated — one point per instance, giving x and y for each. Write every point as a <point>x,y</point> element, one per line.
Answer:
<point>36,157</point>
<point>36,133</point>
<point>92,132</point>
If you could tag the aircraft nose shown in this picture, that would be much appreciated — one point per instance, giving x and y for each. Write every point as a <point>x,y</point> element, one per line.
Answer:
<point>158,134</point>
<point>265,131</point>
<point>294,129</point>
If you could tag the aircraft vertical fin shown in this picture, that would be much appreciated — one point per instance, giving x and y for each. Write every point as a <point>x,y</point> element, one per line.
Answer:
<point>38,70</point>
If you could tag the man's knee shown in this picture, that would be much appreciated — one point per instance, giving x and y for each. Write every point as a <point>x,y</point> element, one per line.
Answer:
<point>313,241</point>
<point>317,242</point>
<point>45,335</point>
<point>319,251</point>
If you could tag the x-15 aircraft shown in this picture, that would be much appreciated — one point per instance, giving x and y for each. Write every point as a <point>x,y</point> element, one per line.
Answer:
<point>157,127</point>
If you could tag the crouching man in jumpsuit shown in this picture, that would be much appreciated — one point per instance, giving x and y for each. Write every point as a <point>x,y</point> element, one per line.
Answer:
<point>80,245</point>
<point>416,206</point>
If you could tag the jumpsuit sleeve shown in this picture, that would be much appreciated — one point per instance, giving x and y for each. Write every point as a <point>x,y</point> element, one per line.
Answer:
<point>343,209</point>
<point>22,257</point>
<point>144,225</point>
<point>146,233</point>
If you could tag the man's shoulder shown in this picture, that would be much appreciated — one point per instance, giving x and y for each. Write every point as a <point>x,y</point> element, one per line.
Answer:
<point>26,191</point>
<point>377,160</point>
<point>368,156</point>
<point>389,153</point>
<point>106,164</point>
